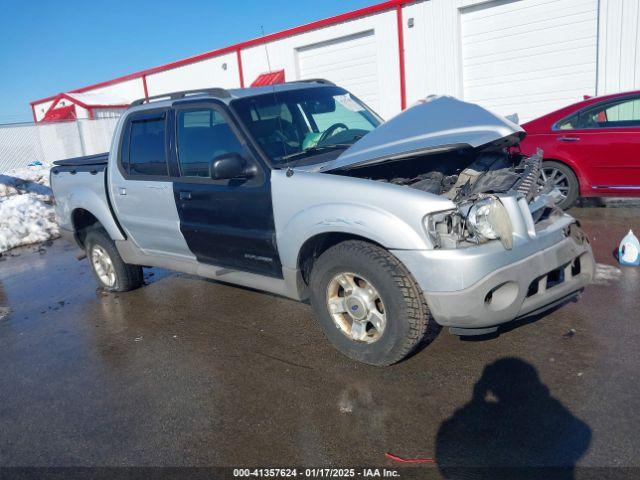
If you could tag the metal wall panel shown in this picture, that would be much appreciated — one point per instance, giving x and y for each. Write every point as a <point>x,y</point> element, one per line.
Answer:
<point>219,71</point>
<point>351,62</point>
<point>619,46</point>
<point>524,56</point>
<point>530,56</point>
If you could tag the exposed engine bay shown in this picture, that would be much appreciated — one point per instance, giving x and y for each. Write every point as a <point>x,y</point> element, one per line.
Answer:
<point>472,180</point>
<point>461,175</point>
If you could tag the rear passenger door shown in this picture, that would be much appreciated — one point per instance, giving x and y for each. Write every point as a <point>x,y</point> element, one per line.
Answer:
<point>227,223</point>
<point>141,185</point>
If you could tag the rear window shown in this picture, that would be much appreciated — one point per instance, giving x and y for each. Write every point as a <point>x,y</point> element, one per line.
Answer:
<point>147,153</point>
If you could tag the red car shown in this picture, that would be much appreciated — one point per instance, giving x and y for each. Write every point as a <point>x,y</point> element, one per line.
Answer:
<point>591,148</point>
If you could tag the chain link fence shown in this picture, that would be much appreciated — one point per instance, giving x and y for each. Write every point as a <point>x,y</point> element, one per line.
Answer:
<point>24,143</point>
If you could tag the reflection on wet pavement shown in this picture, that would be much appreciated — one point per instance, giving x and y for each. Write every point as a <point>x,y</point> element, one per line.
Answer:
<point>187,371</point>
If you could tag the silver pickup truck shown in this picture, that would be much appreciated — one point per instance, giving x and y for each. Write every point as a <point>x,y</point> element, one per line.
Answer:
<point>303,191</point>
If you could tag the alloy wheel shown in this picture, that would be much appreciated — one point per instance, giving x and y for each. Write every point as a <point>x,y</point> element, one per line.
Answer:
<point>103,266</point>
<point>554,176</point>
<point>356,307</point>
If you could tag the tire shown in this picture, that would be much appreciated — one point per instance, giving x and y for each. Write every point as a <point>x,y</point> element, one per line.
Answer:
<point>125,277</point>
<point>570,184</point>
<point>400,301</point>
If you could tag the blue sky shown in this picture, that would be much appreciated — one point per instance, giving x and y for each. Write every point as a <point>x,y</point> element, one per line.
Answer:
<point>51,46</point>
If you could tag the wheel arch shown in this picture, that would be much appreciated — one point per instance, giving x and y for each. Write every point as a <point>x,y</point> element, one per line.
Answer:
<point>83,220</point>
<point>315,246</point>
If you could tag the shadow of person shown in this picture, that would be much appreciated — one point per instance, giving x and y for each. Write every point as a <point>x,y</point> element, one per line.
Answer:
<point>511,428</point>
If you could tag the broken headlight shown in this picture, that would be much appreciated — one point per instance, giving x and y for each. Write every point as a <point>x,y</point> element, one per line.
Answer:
<point>488,219</point>
<point>444,228</point>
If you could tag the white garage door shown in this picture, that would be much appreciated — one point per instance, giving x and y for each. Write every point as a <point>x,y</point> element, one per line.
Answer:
<point>529,56</point>
<point>351,62</point>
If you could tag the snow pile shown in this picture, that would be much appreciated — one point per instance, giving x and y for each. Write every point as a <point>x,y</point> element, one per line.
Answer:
<point>26,211</point>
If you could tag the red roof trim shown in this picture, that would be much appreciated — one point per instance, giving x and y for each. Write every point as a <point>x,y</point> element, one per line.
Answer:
<point>343,17</point>
<point>269,78</point>
<point>68,112</point>
<point>74,101</point>
<point>52,106</point>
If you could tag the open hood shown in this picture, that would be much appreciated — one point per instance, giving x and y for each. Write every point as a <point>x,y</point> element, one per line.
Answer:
<point>433,125</point>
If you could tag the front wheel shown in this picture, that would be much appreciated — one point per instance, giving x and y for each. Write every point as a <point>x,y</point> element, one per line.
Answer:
<point>561,177</point>
<point>367,303</point>
<point>112,273</point>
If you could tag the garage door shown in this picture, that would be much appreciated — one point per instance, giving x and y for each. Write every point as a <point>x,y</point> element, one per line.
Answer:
<point>350,62</point>
<point>529,56</point>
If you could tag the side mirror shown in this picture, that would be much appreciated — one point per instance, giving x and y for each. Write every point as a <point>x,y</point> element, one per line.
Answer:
<point>228,166</point>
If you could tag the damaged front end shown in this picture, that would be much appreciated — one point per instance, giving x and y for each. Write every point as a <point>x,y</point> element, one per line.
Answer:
<point>480,193</point>
<point>460,151</point>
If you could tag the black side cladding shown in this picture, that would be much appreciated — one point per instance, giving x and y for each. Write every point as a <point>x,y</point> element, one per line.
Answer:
<point>229,224</point>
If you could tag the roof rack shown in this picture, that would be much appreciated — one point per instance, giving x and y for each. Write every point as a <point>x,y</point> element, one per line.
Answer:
<point>214,92</point>
<point>314,80</point>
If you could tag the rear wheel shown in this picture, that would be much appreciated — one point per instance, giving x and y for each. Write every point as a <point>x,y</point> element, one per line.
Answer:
<point>562,178</point>
<point>368,304</point>
<point>111,272</point>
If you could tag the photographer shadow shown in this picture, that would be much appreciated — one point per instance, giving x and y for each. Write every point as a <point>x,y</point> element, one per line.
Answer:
<point>511,428</point>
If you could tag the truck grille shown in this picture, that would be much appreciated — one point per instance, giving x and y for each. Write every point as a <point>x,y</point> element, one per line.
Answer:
<point>554,278</point>
<point>528,184</point>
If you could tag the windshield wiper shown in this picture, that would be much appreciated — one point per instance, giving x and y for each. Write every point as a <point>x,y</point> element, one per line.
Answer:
<point>314,150</point>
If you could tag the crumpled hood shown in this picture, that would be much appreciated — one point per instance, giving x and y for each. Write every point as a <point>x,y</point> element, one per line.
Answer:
<point>435,124</point>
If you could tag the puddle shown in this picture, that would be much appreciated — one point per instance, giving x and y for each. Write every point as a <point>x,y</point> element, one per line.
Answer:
<point>606,274</point>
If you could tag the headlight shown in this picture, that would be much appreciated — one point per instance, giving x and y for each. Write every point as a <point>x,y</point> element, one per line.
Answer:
<point>444,228</point>
<point>479,219</point>
<point>489,220</point>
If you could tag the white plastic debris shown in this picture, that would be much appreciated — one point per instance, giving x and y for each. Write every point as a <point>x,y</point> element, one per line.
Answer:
<point>629,250</point>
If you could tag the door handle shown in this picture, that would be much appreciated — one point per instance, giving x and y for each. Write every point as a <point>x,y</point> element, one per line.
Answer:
<point>185,195</point>
<point>568,139</point>
<point>122,191</point>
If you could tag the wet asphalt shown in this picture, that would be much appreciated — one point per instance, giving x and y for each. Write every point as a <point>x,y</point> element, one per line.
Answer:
<point>187,371</point>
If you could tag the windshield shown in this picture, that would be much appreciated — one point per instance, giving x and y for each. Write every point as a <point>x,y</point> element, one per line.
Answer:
<point>307,126</point>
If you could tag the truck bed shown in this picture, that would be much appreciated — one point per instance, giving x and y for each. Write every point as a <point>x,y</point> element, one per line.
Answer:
<point>80,183</point>
<point>98,159</point>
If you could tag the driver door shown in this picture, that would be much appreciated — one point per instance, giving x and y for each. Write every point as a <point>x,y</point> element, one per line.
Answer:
<point>227,223</point>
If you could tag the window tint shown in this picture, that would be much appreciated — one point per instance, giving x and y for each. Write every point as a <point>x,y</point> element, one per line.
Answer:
<point>620,113</point>
<point>203,135</point>
<point>147,147</point>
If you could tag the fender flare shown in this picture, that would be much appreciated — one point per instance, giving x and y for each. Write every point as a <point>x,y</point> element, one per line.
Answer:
<point>98,206</point>
<point>367,222</point>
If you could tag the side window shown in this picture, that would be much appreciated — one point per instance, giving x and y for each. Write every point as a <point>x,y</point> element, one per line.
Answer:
<point>620,113</point>
<point>203,135</point>
<point>147,154</point>
<point>570,123</point>
<point>626,111</point>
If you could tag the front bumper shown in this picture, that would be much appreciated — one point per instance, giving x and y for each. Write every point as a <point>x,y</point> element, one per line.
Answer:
<point>528,285</point>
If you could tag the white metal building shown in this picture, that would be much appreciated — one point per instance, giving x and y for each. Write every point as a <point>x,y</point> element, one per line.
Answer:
<point>512,56</point>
